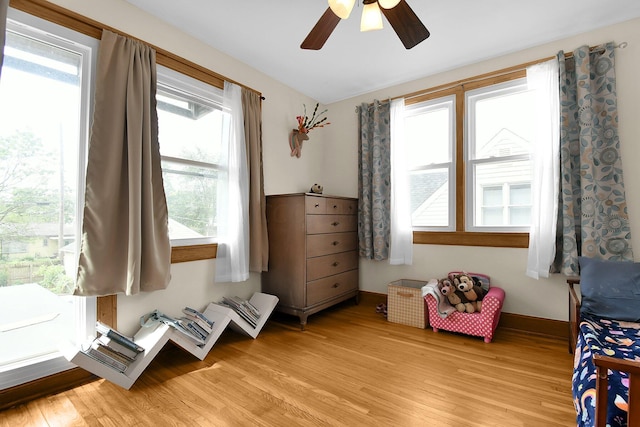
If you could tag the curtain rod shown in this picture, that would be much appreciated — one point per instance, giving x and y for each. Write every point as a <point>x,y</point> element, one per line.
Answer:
<point>498,73</point>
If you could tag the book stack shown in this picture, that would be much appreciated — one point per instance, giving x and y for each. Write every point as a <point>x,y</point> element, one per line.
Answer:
<point>113,348</point>
<point>244,308</point>
<point>196,323</point>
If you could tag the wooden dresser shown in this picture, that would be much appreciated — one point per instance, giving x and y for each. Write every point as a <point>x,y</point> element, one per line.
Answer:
<point>313,252</point>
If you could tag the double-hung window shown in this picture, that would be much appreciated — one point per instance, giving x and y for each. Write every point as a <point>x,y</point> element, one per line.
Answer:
<point>468,156</point>
<point>430,132</point>
<point>499,130</point>
<point>192,126</point>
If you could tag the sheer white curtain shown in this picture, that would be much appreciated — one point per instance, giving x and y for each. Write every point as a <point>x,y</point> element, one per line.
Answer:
<point>401,246</point>
<point>543,78</point>
<point>232,259</point>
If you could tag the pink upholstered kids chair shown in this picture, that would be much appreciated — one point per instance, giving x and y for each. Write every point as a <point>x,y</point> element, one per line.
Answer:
<point>481,324</point>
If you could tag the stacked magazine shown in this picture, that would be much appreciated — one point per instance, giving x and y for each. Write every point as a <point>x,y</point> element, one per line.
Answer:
<point>244,308</point>
<point>113,348</point>
<point>194,324</point>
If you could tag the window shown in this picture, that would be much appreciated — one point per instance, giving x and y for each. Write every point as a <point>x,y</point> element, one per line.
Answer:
<point>499,131</point>
<point>45,105</point>
<point>468,155</point>
<point>191,125</point>
<point>430,133</point>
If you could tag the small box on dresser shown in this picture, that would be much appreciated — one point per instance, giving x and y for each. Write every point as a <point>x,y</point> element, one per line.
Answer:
<point>406,304</point>
<point>313,252</point>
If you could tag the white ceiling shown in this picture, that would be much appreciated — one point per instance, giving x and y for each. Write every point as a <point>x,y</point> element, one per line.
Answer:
<point>266,34</point>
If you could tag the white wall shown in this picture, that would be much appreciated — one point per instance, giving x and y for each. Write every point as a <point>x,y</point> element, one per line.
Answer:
<point>543,298</point>
<point>330,158</point>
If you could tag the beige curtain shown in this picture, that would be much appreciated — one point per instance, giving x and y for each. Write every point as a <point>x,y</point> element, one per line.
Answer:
<point>259,243</point>
<point>125,239</point>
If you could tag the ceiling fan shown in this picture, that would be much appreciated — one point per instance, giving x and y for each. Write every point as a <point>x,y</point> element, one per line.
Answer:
<point>402,18</point>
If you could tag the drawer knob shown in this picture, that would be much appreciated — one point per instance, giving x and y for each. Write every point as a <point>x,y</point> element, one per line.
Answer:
<point>335,224</point>
<point>335,243</point>
<point>335,206</point>
<point>317,205</point>
<point>335,285</point>
<point>335,264</point>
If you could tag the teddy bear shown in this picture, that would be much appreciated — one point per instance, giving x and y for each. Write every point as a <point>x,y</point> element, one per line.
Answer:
<point>316,188</point>
<point>456,298</point>
<point>471,288</point>
<point>447,289</point>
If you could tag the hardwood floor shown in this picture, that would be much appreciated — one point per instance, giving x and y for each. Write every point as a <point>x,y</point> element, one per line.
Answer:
<point>349,368</point>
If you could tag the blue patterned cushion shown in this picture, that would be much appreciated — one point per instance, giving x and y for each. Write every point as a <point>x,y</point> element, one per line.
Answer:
<point>610,289</point>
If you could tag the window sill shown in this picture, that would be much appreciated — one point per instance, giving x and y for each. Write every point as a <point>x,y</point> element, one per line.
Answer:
<point>193,252</point>
<point>459,238</point>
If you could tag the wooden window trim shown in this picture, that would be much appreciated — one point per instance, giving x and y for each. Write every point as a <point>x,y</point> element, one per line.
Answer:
<point>468,238</point>
<point>193,252</point>
<point>460,236</point>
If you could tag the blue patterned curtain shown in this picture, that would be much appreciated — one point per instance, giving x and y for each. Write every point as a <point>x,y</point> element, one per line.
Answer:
<point>374,180</point>
<point>592,213</point>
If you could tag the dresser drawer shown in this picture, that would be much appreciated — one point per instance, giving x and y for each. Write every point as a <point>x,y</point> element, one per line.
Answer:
<point>315,205</point>
<point>325,244</point>
<point>333,286</point>
<point>342,206</point>
<point>329,265</point>
<point>331,223</point>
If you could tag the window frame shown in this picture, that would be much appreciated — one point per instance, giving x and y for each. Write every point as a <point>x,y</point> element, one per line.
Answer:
<point>472,97</point>
<point>86,310</point>
<point>461,236</point>
<point>448,102</point>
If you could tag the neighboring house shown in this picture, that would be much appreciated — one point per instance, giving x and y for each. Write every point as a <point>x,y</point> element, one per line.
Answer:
<point>41,240</point>
<point>429,190</point>
<point>429,198</point>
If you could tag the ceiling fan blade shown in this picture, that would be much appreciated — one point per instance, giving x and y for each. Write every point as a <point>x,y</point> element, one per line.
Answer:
<point>321,31</point>
<point>406,24</point>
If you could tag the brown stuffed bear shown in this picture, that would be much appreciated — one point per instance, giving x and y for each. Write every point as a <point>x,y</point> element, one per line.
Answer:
<point>471,289</point>
<point>449,290</point>
<point>456,297</point>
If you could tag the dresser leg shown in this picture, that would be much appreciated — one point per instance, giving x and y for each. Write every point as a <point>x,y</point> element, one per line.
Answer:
<point>303,321</point>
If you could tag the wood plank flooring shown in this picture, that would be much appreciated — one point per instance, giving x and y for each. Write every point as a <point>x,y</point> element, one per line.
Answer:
<point>349,368</point>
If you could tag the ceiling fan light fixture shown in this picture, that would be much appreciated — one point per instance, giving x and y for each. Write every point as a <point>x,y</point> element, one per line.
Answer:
<point>388,4</point>
<point>342,8</point>
<point>371,17</point>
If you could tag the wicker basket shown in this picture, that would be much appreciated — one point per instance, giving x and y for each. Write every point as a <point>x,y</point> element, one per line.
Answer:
<point>405,303</point>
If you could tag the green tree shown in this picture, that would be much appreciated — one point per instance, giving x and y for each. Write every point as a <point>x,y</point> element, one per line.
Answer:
<point>191,196</point>
<point>26,196</point>
<point>54,279</point>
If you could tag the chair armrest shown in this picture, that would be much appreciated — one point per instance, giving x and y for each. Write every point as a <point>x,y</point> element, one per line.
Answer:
<point>617,364</point>
<point>497,294</point>
<point>574,313</point>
